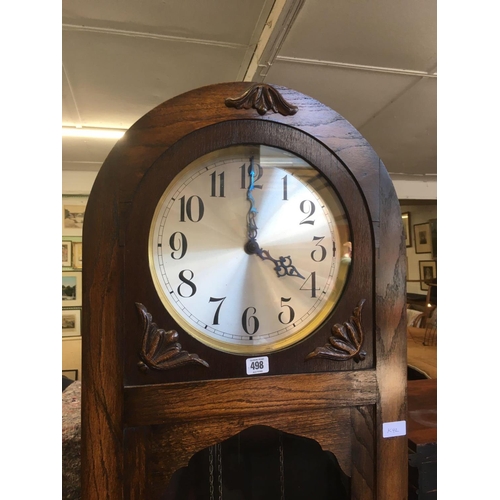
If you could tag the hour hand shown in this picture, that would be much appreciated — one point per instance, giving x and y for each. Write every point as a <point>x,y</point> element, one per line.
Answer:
<point>283,265</point>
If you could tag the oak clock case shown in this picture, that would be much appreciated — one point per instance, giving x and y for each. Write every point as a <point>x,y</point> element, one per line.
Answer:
<point>244,251</point>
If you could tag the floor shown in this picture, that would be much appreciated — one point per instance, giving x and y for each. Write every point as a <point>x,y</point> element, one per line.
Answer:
<point>421,357</point>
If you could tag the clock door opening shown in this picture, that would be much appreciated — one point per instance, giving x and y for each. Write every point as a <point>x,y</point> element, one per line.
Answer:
<point>261,463</point>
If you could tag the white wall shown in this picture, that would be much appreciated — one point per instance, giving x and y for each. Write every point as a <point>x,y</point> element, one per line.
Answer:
<point>77,182</point>
<point>415,187</point>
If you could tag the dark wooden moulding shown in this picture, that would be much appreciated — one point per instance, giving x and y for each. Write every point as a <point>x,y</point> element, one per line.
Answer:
<point>152,396</point>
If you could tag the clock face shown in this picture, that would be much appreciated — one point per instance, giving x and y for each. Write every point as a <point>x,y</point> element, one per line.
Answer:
<point>249,249</point>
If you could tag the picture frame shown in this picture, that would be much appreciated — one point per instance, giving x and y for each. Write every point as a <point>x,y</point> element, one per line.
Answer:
<point>71,374</point>
<point>71,322</point>
<point>71,289</point>
<point>77,254</point>
<point>433,224</point>
<point>67,253</point>
<point>406,217</point>
<point>428,271</point>
<point>73,212</point>
<point>423,239</point>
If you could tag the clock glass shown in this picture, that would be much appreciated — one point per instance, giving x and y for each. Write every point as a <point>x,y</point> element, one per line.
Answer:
<point>249,249</point>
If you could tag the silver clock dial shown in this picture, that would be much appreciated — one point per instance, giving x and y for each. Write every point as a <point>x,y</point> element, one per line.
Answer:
<point>249,249</point>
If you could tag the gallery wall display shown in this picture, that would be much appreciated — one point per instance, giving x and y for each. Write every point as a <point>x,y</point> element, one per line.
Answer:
<point>428,272</point>
<point>423,239</point>
<point>73,211</point>
<point>406,217</point>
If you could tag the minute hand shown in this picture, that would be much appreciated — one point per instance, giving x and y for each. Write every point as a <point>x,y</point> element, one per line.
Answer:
<point>283,266</point>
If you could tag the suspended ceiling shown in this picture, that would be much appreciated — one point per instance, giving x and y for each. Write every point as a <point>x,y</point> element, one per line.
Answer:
<point>373,61</point>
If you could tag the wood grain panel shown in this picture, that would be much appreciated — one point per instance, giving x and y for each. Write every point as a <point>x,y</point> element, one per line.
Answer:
<point>392,453</point>
<point>102,402</point>
<point>363,453</point>
<point>137,452</point>
<point>156,404</point>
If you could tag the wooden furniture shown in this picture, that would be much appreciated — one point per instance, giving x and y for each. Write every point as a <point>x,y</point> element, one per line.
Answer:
<point>430,304</point>
<point>153,396</point>
<point>422,439</point>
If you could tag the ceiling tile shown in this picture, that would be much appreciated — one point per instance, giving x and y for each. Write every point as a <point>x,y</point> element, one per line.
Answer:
<point>230,21</point>
<point>356,95</point>
<point>117,79</point>
<point>404,134</point>
<point>385,33</point>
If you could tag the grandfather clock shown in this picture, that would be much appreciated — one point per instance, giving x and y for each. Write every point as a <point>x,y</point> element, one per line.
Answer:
<point>244,306</point>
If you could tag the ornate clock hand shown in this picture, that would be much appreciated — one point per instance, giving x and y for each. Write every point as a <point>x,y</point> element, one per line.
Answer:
<point>283,266</point>
<point>251,225</point>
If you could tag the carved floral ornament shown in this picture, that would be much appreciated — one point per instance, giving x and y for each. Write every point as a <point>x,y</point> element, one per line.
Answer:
<point>161,349</point>
<point>263,98</point>
<point>346,340</point>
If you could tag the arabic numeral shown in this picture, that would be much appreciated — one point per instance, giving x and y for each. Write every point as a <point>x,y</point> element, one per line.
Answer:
<point>186,283</point>
<point>307,207</point>
<point>213,191</point>
<point>217,311</point>
<point>310,284</point>
<point>320,254</point>
<point>245,173</point>
<point>249,322</point>
<point>187,209</point>
<point>178,243</point>
<point>291,312</point>
<point>257,365</point>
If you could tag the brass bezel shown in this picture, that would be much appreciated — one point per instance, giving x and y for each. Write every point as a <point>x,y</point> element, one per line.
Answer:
<point>292,339</point>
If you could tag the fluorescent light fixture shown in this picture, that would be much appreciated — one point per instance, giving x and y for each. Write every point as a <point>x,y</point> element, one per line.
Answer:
<point>98,133</point>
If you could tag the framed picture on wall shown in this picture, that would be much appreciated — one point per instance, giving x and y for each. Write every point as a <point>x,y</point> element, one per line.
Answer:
<point>428,272</point>
<point>71,374</point>
<point>71,321</point>
<point>77,254</point>
<point>423,239</point>
<point>73,211</point>
<point>67,247</point>
<point>407,227</point>
<point>434,223</point>
<point>71,289</point>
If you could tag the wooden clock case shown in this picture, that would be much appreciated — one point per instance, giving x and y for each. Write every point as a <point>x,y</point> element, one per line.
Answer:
<point>146,413</point>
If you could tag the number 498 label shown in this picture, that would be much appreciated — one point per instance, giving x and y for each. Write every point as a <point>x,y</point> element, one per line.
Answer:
<point>257,365</point>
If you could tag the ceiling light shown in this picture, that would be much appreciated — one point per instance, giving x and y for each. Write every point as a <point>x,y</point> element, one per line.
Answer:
<point>99,133</point>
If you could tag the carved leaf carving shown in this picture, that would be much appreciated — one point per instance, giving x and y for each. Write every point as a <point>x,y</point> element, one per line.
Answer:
<point>263,98</point>
<point>346,340</point>
<point>161,349</point>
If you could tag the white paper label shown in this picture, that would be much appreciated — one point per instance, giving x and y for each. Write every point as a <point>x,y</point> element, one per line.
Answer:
<point>257,365</point>
<point>394,429</point>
